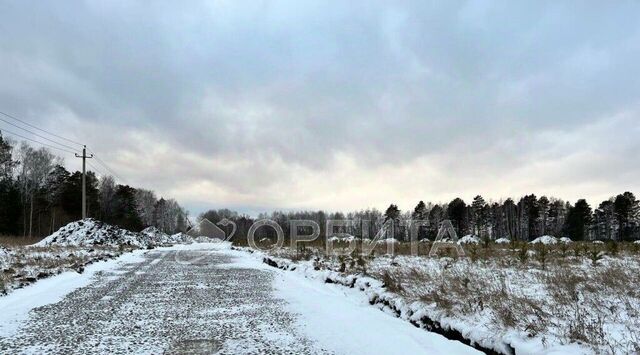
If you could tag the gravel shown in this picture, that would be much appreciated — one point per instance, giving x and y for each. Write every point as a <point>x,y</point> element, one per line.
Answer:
<point>166,305</point>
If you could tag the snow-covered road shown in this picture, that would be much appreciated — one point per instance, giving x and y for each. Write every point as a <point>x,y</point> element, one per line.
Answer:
<point>200,299</point>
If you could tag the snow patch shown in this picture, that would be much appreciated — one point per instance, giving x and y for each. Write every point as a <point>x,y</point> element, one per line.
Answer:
<point>545,239</point>
<point>469,239</point>
<point>388,241</point>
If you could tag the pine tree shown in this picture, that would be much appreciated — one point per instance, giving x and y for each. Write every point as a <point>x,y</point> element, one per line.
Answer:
<point>479,216</point>
<point>626,209</point>
<point>457,212</point>
<point>578,220</point>
<point>126,214</point>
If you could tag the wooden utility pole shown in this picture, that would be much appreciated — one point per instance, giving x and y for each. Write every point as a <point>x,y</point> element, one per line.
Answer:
<point>84,179</point>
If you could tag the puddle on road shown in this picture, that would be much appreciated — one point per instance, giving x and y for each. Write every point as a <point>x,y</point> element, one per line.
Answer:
<point>195,347</point>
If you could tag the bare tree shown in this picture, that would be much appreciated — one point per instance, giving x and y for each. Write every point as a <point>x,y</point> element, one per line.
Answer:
<point>35,166</point>
<point>146,201</point>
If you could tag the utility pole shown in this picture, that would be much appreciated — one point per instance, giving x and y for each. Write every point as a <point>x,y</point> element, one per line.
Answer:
<point>84,179</point>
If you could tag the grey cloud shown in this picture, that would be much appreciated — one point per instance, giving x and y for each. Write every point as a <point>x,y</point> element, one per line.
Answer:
<point>473,85</point>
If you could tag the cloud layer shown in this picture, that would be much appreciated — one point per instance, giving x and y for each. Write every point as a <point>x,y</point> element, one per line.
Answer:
<point>262,105</point>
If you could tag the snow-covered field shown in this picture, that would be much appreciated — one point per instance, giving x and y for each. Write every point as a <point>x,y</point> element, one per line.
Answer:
<point>551,297</point>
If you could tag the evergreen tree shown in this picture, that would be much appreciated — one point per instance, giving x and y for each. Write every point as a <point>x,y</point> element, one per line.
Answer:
<point>578,220</point>
<point>479,214</point>
<point>420,213</point>
<point>457,212</point>
<point>125,211</point>
<point>626,211</point>
<point>392,213</point>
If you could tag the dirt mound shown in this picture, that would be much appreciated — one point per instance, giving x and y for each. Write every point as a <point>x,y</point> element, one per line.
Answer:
<point>5,258</point>
<point>93,232</point>
<point>153,235</point>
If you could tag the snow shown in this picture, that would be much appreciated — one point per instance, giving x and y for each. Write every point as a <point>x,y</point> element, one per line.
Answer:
<point>92,232</point>
<point>342,320</point>
<point>15,307</point>
<point>636,242</point>
<point>545,239</point>
<point>503,241</point>
<point>89,232</point>
<point>478,326</point>
<point>388,241</point>
<point>565,240</point>
<point>347,239</point>
<point>598,242</point>
<point>5,257</point>
<point>469,239</point>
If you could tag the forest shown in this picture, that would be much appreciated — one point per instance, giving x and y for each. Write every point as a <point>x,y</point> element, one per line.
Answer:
<point>617,218</point>
<point>38,195</point>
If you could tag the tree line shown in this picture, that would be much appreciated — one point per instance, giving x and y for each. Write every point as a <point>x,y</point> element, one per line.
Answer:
<point>38,195</point>
<point>617,218</point>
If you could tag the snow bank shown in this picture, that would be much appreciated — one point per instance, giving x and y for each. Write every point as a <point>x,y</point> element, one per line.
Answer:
<point>469,239</point>
<point>88,232</point>
<point>93,232</point>
<point>347,325</point>
<point>503,241</point>
<point>16,306</point>
<point>419,314</point>
<point>182,238</point>
<point>5,258</point>
<point>155,235</point>
<point>565,240</point>
<point>545,239</point>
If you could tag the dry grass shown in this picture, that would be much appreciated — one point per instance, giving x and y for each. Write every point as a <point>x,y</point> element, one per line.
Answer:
<point>12,241</point>
<point>580,292</point>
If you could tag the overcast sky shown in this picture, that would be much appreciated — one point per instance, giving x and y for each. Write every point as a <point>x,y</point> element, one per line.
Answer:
<point>261,105</point>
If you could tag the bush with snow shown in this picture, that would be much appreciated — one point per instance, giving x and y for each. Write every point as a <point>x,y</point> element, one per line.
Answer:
<point>545,239</point>
<point>469,239</point>
<point>503,241</point>
<point>388,241</point>
<point>565,240</point>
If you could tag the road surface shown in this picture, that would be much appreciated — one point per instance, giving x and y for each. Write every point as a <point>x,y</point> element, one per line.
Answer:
<point>204,300</point>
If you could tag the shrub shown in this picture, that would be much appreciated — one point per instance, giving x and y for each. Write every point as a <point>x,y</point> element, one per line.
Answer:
<point>595,255</point>
<point>523,253</point>
<point>612,248</point>
<point>541,254</point>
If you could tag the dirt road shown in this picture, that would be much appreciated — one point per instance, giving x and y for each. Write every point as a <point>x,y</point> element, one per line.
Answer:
<point>181,301</point>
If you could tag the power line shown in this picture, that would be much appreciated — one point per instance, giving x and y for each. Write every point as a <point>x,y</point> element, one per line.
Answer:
<point>100,161</point>
<point>40,129</point>
<point>35,141</point>
<point>37,135</point>
<point>103,164</point>
<point>96,169</point>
